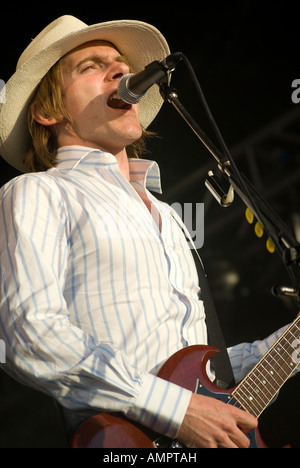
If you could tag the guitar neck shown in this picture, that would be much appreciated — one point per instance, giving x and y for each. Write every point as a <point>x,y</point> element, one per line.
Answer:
<point>260,386</point>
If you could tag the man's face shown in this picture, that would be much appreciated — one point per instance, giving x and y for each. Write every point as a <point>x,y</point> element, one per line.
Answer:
<point>91,74</point>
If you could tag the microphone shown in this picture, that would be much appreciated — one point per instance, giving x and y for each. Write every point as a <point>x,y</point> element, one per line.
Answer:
<point>285,291</point>
<point>132,87</point>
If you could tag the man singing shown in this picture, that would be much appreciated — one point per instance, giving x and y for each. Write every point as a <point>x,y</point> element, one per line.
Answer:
<point>98,285</point>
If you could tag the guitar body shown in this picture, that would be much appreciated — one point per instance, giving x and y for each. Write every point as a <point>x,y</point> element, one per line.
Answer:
<point>185,368</point>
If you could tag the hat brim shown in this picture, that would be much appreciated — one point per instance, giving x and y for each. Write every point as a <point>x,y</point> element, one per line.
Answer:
<point>139,42</point>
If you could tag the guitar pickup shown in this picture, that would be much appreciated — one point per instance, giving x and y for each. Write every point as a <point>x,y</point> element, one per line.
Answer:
<point>224,198</point>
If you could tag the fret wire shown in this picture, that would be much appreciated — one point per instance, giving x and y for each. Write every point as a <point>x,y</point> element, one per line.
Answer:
<point>278,375</point>
<point>284,362</point>
<point>246,404</point>
<point>254,391</point>
<point>249,377</point>
<point>235,402</point>
<point>251,398</point>
<point>296,325</point>
<point>292,365</point>
<point>264,383</point>
<point>272,377</point>
<point>279,352</point>
<point>295,334</point>
<point>250,405</point>
<point>265,388</point>
<point>282,366</point>
<point>252,402</point>
<point>247,397</point>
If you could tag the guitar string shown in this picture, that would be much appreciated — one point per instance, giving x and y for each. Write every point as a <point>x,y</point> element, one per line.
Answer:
<point>255,400</point>
<point>283,348</point>
<point>252,401</point>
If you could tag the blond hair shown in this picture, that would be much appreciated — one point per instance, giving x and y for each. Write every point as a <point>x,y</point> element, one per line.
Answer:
<point>49,100</point>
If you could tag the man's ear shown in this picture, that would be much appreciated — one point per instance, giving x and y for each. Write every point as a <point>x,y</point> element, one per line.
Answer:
<point>39,116</point>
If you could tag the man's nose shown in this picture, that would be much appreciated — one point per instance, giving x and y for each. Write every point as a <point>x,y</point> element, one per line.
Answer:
<point>116,70</point>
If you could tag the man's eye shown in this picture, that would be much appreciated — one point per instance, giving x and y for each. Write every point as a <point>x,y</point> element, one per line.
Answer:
<point>86,68</point>
<point>89,67</point>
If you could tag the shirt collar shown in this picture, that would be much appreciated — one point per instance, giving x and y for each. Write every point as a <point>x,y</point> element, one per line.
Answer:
<point>143,173</point>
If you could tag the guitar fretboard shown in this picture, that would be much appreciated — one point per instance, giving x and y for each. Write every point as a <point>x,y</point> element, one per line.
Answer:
<point>260,386</point>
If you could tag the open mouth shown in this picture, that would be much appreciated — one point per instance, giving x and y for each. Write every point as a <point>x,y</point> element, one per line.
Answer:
<point>115,102</point>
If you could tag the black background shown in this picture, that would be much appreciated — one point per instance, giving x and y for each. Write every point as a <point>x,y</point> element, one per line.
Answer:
<point>246,55</point>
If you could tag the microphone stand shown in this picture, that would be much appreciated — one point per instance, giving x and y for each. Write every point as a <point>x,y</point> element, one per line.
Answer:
<point>281,236</point>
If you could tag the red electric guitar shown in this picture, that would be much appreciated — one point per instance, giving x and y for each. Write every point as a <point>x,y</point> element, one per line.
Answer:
<point>187,369</point>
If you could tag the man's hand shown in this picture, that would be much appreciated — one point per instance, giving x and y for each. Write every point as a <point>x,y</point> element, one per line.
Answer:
<point>210,423</point>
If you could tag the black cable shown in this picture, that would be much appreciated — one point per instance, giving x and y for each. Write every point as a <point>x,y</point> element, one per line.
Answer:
<point>272,223</point>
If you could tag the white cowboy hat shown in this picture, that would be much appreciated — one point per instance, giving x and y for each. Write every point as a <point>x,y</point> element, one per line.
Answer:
<point>139,42</point>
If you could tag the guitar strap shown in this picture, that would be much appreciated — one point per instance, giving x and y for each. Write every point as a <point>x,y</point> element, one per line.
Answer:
<point>220,361</point>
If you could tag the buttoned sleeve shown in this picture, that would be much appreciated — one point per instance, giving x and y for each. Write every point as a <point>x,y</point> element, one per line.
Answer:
<point>44,349</point>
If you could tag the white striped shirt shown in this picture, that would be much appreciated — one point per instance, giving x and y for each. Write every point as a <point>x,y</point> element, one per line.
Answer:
<point>93,296</point>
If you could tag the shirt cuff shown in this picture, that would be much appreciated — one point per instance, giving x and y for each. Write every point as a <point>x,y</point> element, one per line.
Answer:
<point>160,405</point>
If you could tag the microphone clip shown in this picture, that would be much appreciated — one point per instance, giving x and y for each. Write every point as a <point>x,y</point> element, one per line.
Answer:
<point>224,197</point>
<point>132,87</point>
<point>285,291</point>
<point>169,63</point>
